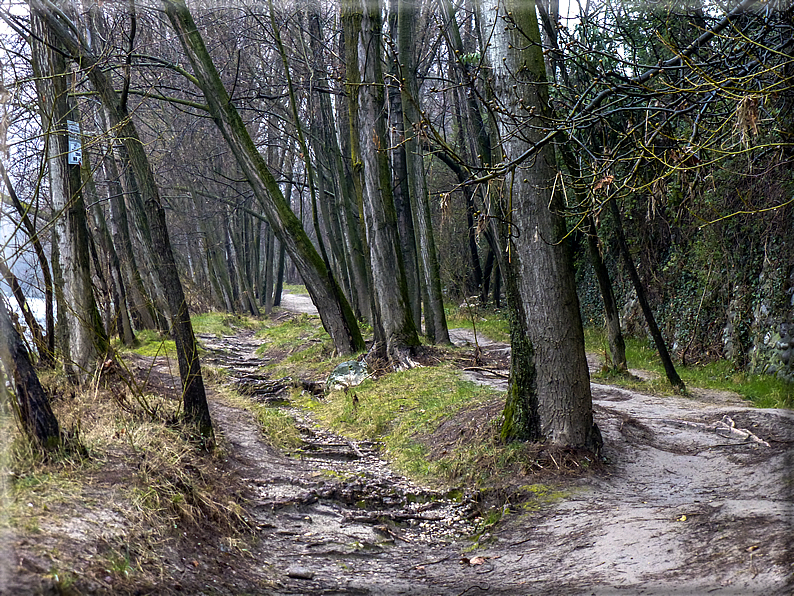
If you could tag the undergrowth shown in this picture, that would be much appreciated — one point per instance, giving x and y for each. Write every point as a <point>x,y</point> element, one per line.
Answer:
<point>409,411</point>
<point>763,391</point>
<point>488,321</point>
<point>128,481</point>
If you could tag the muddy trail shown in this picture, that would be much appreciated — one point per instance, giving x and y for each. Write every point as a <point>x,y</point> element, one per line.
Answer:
<point>332,517</point>
<point>695,498</point>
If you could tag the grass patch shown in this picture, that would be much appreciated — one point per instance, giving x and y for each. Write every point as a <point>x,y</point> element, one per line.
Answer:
<point>398,409</point>
<point>150,343</point>
<point>293,334</point>
<point>277,426</point>
<point>295,289</point>
<point>300,347</point>
<point>219,323</point>
<point>765,391</point>
<point>488,321</point>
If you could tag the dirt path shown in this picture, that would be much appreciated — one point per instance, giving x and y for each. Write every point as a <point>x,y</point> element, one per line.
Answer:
<point>686,505</point>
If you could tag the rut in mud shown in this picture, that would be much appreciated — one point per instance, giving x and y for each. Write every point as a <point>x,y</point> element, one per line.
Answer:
<point>688,503</point>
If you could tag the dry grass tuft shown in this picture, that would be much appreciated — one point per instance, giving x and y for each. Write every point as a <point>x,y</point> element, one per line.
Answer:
<point>124,502</point>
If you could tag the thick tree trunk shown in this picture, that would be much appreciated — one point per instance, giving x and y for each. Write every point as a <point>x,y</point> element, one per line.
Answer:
<point>83,338</point>
<point>628,262</point>
<point>388,273</point>
<point>400,189</point>
<point>539,256</point>
<point>335,311</point>
<point>351,160</point>
<point>31,404</point>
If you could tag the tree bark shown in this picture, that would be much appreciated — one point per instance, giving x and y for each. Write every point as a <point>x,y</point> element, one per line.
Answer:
<point>557,406</point>
<point>400,177</point>
<point>83,339</point>
<point>31,405</point>
<point>435,316</point>
<point>388,273</point>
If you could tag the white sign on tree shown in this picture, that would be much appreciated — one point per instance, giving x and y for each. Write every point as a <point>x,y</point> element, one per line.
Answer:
<point>75,156</point>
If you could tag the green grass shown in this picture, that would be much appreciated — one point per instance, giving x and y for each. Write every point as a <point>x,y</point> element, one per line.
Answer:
<point>488,321</point>
<point>295,289</point>
<point>397,409</point>
<point>277,425</point>
<point>149,343</point>
<point>309,349</point>
<point>218,323</point>
<point>764,391</point>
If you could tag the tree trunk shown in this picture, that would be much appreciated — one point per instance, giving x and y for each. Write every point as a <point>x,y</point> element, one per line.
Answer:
<point>661,347</point>
<point>388,273</point>
<point>557,406</point>
<point>16,290</point>
<point>335,311</point>
<point>435,316</point>
<point>143,312</point>
<point>401,192</point>
<point>82,336</point>
<point>270,260</point>
<point>118,288</point>
<point>617,346</point>
<point>196,410</point>
<point>351,161</point>
<point>31,405</point>
<point>47,353</point>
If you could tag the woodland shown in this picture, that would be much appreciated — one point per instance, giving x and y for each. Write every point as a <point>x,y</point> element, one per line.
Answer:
<point>598,178</point>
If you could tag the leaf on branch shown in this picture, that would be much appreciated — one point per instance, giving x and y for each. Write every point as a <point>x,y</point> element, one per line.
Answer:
<point>603,183</point>
<point>747,118</point>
